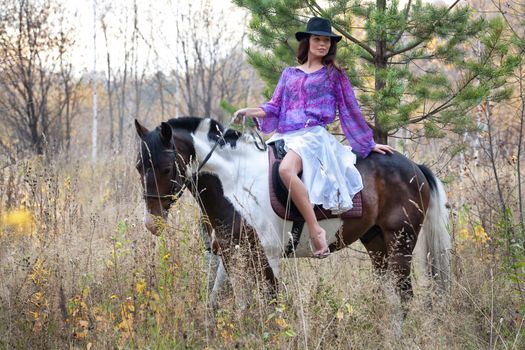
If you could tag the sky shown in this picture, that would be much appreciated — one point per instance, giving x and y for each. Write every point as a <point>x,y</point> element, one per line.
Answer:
<point>155,22</point>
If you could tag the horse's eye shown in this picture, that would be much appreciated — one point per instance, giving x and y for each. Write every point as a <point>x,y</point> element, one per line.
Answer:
<point>166,171</point>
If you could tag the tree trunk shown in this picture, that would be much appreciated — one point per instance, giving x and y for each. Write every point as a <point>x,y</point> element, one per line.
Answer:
<point>94,81</point>
<point>520,147</point>
<point>33,119</point>
<point>380,63</point>
<point>109,88</point>
<point>68,121</point>
<point>160,83</point>
<point>122,108</point>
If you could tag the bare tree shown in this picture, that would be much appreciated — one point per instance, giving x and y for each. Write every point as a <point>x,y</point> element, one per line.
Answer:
<point>208,59</point>
<point>94,84</point>
<point>109,76</point>
<point>69,95</point>
<point>121,78</point>
<point>514,14</point>
<point>236,82</point>
<point>32,49</point>
<point>128,79</point>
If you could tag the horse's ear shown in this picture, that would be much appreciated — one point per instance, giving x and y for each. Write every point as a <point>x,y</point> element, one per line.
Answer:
<point>141,130</point>
<point>165,133</point>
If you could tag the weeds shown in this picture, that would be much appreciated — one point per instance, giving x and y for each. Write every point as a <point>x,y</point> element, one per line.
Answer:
<point>78,270</point>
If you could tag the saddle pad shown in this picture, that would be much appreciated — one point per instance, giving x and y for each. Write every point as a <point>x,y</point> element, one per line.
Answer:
<point>279,196</point>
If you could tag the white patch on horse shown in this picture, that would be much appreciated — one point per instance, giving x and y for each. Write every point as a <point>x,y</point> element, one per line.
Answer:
<point>331,226</point>
<point>243,172</point>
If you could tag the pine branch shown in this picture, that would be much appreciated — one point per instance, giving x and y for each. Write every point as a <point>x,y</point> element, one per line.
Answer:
<point>509,25</point>
<point>423,39</point>
<point>402,31</point>
<point>447,103</point>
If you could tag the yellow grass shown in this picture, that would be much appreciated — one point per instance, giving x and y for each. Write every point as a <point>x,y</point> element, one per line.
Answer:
<point>79,270</point>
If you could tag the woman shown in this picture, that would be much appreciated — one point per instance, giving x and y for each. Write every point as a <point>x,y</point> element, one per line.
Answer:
<point>303,103</point>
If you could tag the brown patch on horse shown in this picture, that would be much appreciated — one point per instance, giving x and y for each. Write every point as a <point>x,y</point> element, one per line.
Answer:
<point>233,238</point>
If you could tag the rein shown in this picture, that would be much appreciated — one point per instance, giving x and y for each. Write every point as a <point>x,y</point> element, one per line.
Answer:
<point>172,196</point>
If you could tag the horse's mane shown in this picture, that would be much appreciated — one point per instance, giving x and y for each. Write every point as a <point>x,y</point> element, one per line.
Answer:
<point>190,124</point>
<point>152,145</point>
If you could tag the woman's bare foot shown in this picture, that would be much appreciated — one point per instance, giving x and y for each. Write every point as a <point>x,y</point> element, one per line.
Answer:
<point>318,240</point>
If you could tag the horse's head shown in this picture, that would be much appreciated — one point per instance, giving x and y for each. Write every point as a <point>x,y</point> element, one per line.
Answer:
<point>171,155</point>
<point>161,167</point>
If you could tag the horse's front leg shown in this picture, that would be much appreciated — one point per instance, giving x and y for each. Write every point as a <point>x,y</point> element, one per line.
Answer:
<point>272,276</point>
<point>270,273</point>
<point>218,285</point>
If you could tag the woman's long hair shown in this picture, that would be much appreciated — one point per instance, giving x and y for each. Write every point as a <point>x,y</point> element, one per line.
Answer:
<point>328,60</point>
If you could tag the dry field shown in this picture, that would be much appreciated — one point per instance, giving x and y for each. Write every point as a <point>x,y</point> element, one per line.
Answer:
<point>78,270</point>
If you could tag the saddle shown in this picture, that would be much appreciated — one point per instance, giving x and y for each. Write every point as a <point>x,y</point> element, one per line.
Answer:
<point>284,207</point>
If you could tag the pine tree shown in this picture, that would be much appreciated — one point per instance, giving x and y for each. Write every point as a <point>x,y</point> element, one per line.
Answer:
<point>413,64</point>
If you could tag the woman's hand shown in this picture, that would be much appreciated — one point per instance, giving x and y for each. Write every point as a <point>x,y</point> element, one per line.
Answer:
<point>247,112</point>
<point>383,149</point>
<point>238,116</point>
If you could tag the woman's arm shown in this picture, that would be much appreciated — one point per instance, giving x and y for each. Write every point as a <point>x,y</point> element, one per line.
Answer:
<point>354,126</point>
<point>267,116</point>
<point>256,112</point>
<point>357,132</point>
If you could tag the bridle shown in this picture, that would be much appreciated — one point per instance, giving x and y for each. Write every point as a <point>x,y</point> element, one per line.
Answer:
<point>175,193</point>
<point>172,189</point>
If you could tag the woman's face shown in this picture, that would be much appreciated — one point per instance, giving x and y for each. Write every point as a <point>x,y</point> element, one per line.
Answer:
<point>319,45</point>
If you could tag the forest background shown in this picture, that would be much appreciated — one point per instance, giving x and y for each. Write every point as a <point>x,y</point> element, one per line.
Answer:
<point>440,81</point>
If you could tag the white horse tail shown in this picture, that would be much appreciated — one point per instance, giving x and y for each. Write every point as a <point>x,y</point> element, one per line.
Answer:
<point>434,244</point>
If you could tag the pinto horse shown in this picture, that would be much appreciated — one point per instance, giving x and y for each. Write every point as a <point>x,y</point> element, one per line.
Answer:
<point>403,203</point>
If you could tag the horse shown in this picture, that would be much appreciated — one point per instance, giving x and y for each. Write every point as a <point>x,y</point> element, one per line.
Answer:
<point>227,173</point>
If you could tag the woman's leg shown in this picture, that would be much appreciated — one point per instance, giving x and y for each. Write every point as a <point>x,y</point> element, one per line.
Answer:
<point>289,169</point>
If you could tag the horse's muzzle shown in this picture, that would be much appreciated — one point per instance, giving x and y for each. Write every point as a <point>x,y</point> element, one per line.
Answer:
<point>155,224</point>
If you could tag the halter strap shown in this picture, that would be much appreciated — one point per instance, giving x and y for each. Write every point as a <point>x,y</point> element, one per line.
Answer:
<point>171,195</point>
<point>172,189</point>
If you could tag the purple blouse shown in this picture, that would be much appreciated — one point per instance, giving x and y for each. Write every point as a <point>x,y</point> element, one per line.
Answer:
<point>307,99</point>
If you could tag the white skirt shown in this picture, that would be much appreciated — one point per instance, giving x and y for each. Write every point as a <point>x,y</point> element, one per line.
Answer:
<point>329,171</point>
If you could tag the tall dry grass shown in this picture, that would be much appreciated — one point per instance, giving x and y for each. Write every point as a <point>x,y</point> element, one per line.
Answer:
<point>79,270</point>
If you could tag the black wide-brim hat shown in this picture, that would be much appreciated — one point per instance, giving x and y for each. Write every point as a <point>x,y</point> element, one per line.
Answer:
<point>317,26</point>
